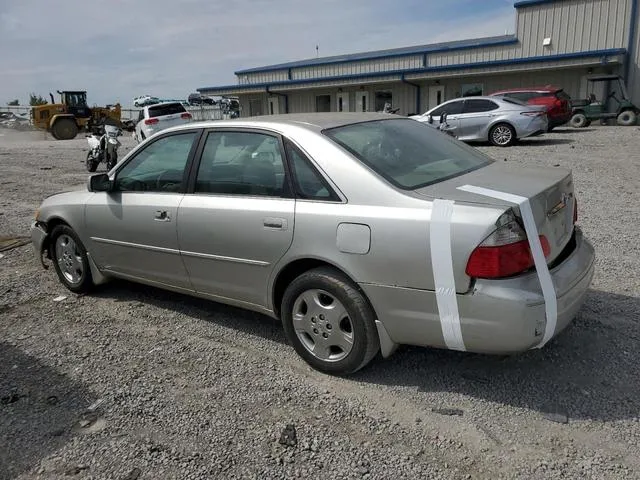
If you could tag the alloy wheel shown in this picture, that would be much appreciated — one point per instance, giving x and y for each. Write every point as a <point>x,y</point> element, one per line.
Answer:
<point>69,259</point>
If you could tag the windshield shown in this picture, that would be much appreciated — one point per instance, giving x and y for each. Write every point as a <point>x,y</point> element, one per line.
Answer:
<point>407,153</point>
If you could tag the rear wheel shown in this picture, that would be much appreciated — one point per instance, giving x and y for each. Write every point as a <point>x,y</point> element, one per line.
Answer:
<point>627,118</point>
<point>64,129</point>
<point>579,120</point>
<point>329,322</point>
<point>502,135</point>
<point>70,259</point>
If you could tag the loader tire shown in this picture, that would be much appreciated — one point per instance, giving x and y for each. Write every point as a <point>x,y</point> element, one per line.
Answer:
<point>64,129</point>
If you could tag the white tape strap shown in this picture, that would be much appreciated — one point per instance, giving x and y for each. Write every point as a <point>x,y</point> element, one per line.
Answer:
<point>544,276</point>
<point>444,280</point>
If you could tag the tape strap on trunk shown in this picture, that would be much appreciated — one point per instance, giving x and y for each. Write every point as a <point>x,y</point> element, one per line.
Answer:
<point>444,280</point>
<point>542,269</point>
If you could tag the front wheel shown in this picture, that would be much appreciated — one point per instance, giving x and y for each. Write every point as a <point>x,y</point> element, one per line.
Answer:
<point>627,118</point>
<point>70,259</point>
<point>329,322</point>
<point>91,164</point>
<point>502,135</point>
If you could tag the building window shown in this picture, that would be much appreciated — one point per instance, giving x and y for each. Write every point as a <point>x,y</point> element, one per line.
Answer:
<point>382,98</point>
<point>323,103</point>
<point>472,89</point>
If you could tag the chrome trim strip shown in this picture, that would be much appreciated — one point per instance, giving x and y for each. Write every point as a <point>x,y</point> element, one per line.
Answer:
<point>136,245</point>
<point>221,258</point>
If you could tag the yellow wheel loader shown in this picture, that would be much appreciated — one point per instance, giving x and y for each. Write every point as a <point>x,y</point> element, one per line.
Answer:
<point>65,119</point>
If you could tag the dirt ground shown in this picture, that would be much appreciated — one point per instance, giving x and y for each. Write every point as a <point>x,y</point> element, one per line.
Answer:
<point>132,382</point>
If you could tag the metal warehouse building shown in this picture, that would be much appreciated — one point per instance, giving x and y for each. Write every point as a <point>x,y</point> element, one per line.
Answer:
<point>557,42</point>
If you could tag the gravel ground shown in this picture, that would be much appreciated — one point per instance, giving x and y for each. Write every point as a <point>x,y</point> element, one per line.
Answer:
<point>133,382</point>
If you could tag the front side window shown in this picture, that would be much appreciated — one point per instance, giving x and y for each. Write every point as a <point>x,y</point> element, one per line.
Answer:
<point>241,163</point>
<point>159,167</point>
<point>406,153</point>
<point>451,108</point>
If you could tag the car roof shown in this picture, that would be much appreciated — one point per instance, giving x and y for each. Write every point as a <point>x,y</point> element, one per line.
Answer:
<point>311,121</point>
<point>547,89</point>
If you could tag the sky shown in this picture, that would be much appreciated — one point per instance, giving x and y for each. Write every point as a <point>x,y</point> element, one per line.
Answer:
<point>120,49</point>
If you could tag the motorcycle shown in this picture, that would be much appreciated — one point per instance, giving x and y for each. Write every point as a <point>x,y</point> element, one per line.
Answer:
<point>103,148</point>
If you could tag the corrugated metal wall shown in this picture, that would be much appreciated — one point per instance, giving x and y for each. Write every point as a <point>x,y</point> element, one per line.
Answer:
<point>634,68</point>
<point>572,25</point>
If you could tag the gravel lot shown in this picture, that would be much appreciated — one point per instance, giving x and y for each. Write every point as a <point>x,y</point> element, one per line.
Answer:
<point>132,382</point>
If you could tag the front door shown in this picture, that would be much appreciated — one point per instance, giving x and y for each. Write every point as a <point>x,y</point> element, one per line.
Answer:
<point>133,228</point>
<point>274,105</point>
<point>342,102</point>
<point>362,101</point>
<point>239,220</point>
<point>436,96</point>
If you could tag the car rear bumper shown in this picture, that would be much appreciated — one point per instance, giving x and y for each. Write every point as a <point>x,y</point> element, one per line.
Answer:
<point>559,120</point>
<point>496,316</point>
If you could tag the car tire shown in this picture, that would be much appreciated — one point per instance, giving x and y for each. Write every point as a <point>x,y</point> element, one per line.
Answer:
<point>70,259</point>
<point>329,322</point>
<point>579,120</point>
<point>502,135</point>
<point>627,118</point>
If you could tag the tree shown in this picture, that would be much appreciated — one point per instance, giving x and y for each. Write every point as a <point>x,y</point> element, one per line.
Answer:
<point>35,100</point>
<point>14,103</point>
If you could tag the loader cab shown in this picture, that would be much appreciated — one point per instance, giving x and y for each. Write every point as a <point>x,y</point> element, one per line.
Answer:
<point>76,103</point>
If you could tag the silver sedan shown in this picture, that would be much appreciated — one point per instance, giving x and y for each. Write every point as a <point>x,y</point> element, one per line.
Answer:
<point>501,121</point>
<point>359,231</point>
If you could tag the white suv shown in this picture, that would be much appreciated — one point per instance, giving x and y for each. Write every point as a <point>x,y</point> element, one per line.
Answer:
<point>155,118</point>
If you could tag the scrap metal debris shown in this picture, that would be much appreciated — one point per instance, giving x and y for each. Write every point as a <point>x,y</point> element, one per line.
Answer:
<point>289,437</point>
<point>9,243</point>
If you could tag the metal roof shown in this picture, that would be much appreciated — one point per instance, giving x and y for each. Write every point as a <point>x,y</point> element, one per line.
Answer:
<point>392,52</point>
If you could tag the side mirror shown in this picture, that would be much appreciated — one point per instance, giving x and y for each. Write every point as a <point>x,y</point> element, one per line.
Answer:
<point>99,183</point>
<point>429,119</point>
<point>443,117</point>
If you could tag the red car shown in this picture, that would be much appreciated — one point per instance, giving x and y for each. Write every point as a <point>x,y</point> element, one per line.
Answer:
<point>557,101</point>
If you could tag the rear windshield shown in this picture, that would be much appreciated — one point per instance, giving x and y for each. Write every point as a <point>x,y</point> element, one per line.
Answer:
<point>166,109</point>
<point>407,153</point>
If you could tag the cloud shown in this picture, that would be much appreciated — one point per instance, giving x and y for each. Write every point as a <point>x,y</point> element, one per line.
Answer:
<point>118,49</point>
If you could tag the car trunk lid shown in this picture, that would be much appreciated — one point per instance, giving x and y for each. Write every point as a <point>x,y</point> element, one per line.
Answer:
<point>550,192</point>
<point>169,115</point>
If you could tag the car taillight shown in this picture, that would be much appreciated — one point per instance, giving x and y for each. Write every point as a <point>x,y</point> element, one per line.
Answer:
<point>505,252</point>
<point>151,121</point>
<point>185,115</point>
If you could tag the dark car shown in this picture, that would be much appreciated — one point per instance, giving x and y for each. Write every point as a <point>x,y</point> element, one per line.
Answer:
<point>557,101</point>
<point>197,99</point>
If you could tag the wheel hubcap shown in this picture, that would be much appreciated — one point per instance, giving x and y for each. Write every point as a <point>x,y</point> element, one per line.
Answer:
<point>323,325</point>
<point>69,259</point>
<point>502,135</point>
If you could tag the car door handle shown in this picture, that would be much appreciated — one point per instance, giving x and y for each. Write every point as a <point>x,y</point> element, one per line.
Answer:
<point>162,216</point>
<point>275,223</point>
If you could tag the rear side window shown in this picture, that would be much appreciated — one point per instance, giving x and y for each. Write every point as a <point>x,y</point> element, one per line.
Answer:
<point>309,184</point>
<point>166,109</point>
<point>478,106</point>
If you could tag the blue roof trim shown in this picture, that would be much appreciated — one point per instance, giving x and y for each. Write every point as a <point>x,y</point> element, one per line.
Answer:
<point>390,53</point>
<point>492,63</point>
<point>530,3</point>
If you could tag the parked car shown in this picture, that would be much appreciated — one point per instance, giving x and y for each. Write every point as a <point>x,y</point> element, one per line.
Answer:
<point>501,121</point>
<point>155,118</point>
<point>555,99</point>
<point>144,100</point>
<point>360,231</point>
<point>197,99</point>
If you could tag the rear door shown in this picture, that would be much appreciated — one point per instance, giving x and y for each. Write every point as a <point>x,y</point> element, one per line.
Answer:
<point>169,114</point>
<point>238,220</point>
<point>476,117</point>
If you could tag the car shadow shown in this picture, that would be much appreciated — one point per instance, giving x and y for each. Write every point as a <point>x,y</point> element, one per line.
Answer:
<point>570,130</point>
<point>544,141</point>
<point>589,371</point>
<point>39,408</point>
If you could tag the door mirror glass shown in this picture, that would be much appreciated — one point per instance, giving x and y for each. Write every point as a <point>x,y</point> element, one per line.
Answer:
<point>99,183</point>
